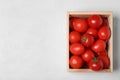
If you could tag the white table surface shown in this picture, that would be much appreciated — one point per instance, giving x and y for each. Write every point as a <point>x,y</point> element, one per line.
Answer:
<point>33,39</point>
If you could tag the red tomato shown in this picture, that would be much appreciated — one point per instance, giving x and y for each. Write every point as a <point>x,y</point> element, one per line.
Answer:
<point>71,22</point>
<point>104,33</point>
<point>95,21</point>
<point>99,46</point>
<point>76,48</point>
<point>87,40</point>
<point>74,37</point>
<point>106,61</point>
<point>93,32</point>
<point>104,53</point>
<point>76,62</point>
<point>88,55</point>
<point>96,64</point>
<point>80,25</point>
<point>105,22</point>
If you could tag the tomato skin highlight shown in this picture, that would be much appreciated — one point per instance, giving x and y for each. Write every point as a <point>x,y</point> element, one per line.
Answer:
<point>80,25</point>
<point>77,48</point>
<point>76,62</point>
<point>88,55</point>
<point>104,33</point>
<point>96,64</point>
<point>106,61</point>
<point>99,46</point>
<point>95,21</point>
<point>87,40</point>
<point>93,32</point>
<point>74,37</point>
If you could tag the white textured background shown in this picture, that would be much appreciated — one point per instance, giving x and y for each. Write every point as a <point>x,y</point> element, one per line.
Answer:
<point>33,39</point>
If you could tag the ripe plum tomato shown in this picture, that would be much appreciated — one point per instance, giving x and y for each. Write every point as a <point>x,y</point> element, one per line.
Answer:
<point>74,37</point>
<point>80,25</point>
<point>96,64</point>
<point>95,21</point>
<point>76,62</point>
<point>104,33</point>
<point>77,48</point>
<point>87,40</point>
<point>88,55</point>
<point>106,61</point>
<point>104,53</point>
<point>99,46</point>
<point>93,32</point>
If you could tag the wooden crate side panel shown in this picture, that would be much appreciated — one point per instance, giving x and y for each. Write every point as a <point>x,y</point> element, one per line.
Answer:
<point>67,37</point>
<point>110,51</point>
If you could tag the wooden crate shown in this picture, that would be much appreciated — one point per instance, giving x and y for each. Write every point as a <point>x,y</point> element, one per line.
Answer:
<point>109,16</point>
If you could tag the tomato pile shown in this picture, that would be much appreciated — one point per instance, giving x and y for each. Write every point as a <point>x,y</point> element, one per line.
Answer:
<point>88,43</point>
